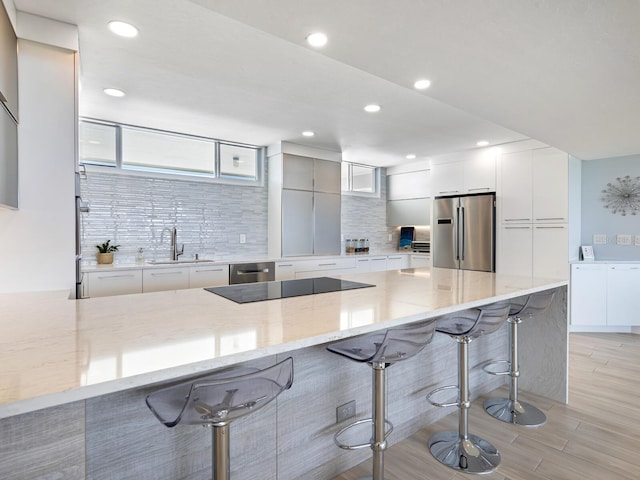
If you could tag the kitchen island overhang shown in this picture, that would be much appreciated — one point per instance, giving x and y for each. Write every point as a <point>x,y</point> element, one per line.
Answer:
<point>57,351</point>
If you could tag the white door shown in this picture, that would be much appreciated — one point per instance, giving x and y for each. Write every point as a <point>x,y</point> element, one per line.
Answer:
<point>589,294</point>
<point>623,294</point>
<point>515,252</point>
<point>551,251</point>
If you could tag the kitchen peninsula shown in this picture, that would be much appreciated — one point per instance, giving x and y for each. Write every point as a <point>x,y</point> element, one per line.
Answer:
<point>79,370</point>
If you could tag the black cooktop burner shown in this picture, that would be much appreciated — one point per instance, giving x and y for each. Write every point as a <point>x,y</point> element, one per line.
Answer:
<point>257,292</point>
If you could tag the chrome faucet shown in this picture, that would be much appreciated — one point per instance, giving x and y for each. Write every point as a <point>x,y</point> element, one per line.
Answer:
<point>175,252</point>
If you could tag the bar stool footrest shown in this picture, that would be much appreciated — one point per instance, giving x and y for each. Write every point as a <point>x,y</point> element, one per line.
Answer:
<point>488,367</point>
<point>435,391</point>
<point>360,423</point>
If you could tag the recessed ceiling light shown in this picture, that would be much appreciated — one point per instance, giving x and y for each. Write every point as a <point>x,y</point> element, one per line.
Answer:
<point>114,92</point>
<point>308,133</point>
<point>123,29</point>
<point>372,108</point>
<point>411,156</point>
<point>317,39</point>
<point>482,143</point>
<point>422,84</point>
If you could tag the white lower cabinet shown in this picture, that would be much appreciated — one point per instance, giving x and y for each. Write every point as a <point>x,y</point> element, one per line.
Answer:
<point>397,262</point>
<point>208,276</point>
<point>419,261</point>
<point>285,271</point>
<point>363,265</point>
<point>160,279</point>
<point>550,251</point>
<point>104,284</point>
<point>588,294</point>
<point>378,264</point>
<point>325,267</point>
<point>623,294</point>
<point>515,256</point>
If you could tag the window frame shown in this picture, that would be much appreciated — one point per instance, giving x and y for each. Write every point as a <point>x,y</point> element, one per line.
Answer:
<point>376,181</point>
<point>166,173</point>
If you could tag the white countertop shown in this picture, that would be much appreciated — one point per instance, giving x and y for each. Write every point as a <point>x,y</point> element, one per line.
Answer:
<point>54,350</point>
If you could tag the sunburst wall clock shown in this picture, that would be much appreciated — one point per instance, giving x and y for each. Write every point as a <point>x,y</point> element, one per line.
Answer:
<point>623,197</point>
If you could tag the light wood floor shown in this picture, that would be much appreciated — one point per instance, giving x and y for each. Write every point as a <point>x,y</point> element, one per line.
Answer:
<point>596,436</point>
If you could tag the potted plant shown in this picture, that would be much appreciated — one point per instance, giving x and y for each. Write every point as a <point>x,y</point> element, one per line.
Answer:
<point>105,252</point>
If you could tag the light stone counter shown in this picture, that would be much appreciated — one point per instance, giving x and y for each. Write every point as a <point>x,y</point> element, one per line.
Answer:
<point>54,351</point>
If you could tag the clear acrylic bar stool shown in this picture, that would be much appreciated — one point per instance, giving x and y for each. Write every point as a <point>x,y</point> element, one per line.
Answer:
<point>461,450</point>
<point>217,400</point>
<point>380,350</point>
<point>513,410</point>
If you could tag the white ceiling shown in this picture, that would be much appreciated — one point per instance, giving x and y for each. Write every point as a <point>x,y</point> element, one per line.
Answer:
<point>563,72</point>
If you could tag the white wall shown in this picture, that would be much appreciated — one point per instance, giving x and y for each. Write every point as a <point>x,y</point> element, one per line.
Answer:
<point>37,242</point>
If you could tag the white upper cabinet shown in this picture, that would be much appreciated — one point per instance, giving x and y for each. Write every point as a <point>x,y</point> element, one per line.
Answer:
<point>297,173</point>
<point>516,187</point>
<point>404,186</point>
<point>473,172</point>
<point>550,186</point>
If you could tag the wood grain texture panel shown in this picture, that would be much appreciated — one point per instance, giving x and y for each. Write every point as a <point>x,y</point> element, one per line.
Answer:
<point>44,445</point>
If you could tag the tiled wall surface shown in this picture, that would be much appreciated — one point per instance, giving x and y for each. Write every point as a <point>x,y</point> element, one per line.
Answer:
<point>134,211</point>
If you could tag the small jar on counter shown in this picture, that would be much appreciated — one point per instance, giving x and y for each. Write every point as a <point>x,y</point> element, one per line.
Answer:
<point>349,246</point>
<point>365,248</point>
<point>360,246</point>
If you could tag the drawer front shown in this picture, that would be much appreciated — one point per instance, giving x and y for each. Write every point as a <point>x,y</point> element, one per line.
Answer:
<point>325,264</point>
<point>159,279</point>
<point>208,276</point>
<point>397,262</point>
<point>104,284</point>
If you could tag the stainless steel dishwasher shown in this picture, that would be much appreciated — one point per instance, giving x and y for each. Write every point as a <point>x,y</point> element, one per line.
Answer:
<point>252,272</point>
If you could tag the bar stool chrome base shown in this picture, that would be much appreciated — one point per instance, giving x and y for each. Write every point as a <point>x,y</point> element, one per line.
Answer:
<point>515,412</point>
<point>470,455</point>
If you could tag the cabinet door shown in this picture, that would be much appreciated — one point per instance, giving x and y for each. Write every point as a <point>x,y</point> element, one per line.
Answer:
<point>516,250</point>
<point>326,176</point>
<point>104,284</point>
<point>516,187</point>
<point>589,294</point>
<point>297,223</point>
<point>623,300</point>
<point>297,172</point>
<point>8,160</point>
<point>201,276</point>
<point>447,178</point>
<point>8,64</point>
<point>378,264</point>
<point>326,218</point>
<point>550,185</point>
<point>397,262</point>
<point>402,186</point>
<point>416,211</point>
<point>551,251</point>
<point>363,265</point>
<point>285,271</point>
<point>419,261</point>
<point>162,279</point>
<point>480,172</point>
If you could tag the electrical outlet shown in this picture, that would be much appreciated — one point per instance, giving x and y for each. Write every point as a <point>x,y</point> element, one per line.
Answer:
<point>637,240</point>
<point>243,238</point>
<point>599,239</point>
<point>346,411</point>
<point>623,239</point>
<point>391,236</point>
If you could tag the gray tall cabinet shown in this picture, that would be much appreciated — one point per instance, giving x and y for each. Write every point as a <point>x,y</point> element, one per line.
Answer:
<point>8,112</point>
<point>304,205</point>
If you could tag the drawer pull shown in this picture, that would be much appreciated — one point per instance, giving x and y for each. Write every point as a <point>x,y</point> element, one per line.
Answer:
<point>517,219</point>
<point>210,270</point>
<point>326,264</point>
<point>479,188</point>
<point>552,227</point>
<point>395,258</point>
<point>285,265</point>
<point>517,228</point>
<point>126,275</point>
<point>550,218</point>
<point>156,274</point>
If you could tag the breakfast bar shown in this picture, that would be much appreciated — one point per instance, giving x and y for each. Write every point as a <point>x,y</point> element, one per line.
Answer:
<point>74,373</point>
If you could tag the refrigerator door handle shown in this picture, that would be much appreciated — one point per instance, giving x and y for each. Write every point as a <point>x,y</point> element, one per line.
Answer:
<point>462,233</point>
<point>457,233</point>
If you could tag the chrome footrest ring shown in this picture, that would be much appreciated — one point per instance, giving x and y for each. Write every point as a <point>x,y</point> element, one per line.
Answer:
<point>442,404</point>
<point>487,367</point>
<point>344,446</point>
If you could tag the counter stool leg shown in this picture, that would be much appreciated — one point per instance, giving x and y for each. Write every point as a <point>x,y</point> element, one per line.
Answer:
<point>461,450</point>
<point>378,442</point>
<point>221,465</point>
<point>512,410</point>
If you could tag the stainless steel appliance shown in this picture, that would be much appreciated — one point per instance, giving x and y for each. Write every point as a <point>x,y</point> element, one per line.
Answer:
<point>252,272</point>
<point>463,233</point>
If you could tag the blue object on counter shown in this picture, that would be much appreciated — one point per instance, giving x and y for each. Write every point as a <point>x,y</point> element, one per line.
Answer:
<point>407,235</point>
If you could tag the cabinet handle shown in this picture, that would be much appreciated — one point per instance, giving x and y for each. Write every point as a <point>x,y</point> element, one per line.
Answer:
<point>285,265</point>
<point>363,259</point>
<point>156,274</point>
<point>325,264</point>
<point>479,188</point>
<point>551,227</point>
<point>517,219</point>
<point>125,275</point>
<point>210,270</point>
<point>550,218</point>
<point>395,258</point>
<point>378,259</point>
<point>449,191</point>
<point>517,228</point>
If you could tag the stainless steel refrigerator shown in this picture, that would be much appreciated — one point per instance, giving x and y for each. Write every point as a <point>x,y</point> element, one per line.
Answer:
<point>464,232</point>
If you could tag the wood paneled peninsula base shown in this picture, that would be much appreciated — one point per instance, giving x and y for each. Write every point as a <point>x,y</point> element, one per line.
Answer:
<point>74,374</point>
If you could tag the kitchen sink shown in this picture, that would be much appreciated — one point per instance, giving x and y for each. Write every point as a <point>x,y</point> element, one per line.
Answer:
<point>173,262</point>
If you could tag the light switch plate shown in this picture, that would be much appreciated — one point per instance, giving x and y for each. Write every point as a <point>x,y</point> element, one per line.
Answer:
<point>599,239</point>
<point>243,238</point>
<point>623,239</point>
<point>637,241</point>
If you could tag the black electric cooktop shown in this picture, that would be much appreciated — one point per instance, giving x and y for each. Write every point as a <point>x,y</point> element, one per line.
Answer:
<point>258,292</point>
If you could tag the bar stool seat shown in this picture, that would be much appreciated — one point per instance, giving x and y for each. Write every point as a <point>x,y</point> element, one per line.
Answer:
<point>513,410</point>
<point>461,450</point>
<point>217,400</point>
<point>380,350</point>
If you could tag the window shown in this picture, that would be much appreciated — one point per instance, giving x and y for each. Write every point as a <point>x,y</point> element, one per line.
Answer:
<point>155,152</point>
<point>360,179</point>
